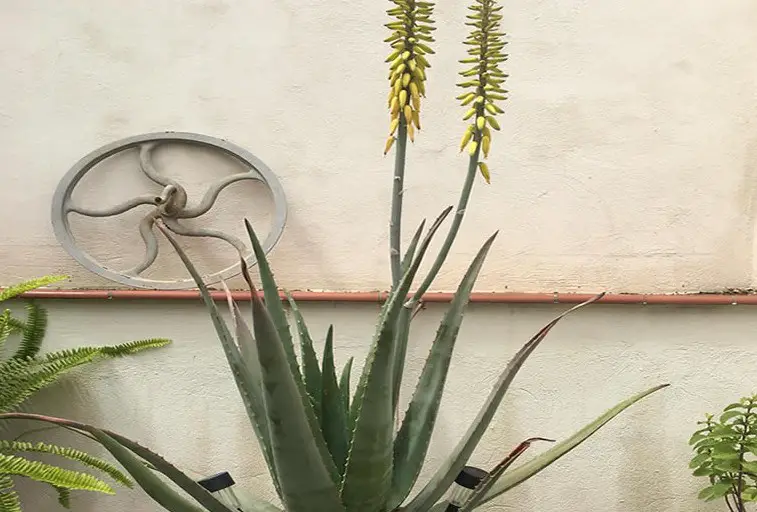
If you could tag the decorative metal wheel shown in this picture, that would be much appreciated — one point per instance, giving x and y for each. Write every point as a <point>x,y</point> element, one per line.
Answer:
<point>170,207</point>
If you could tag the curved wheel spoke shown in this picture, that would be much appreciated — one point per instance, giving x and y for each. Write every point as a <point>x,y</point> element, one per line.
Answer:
<point>179,229</point>
<point>209,199</point>
<point>145,163</point>
<point>115,210</point>
<point>151,244</point>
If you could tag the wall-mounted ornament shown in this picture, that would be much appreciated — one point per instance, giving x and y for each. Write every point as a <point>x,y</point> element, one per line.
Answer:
<point>169,203</point>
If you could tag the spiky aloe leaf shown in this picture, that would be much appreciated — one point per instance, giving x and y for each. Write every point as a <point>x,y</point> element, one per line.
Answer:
<point>483,487</point>
<point>311,371</point>
<point>18,289</point>
<point>445,475</point>
<point>124,450</point>
<point>158,490</point>
<point>534,466</point>
<point>41,472</point>
<point>412,441</point>
<point>402,334</point>
<point>275,311</point>
<point>383,316</point>
<point>344,383</point>
<point>248,384</point>
<point>306,482</point>
<point>367,479</point>
<point>249,352</point>
<point>333,415</point>
<point>251,504</point>
<point>273,301</point>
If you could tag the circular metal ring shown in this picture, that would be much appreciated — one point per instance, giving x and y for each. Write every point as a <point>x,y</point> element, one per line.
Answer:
<point>170,207</point>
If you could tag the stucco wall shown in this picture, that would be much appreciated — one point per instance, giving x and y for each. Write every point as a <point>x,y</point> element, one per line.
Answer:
<point>626,162</point>
<point>182,401</point>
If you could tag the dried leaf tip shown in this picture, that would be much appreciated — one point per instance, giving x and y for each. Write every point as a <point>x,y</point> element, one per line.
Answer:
<point>483,77</point>
<point>411,27</point>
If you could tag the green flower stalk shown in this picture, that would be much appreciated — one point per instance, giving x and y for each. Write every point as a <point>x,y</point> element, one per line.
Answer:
<point>484,80</point>
<point>411,28</point>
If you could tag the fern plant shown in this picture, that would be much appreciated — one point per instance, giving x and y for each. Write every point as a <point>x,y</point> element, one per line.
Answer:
<point>726,454</point>
<point>22,373</point>
<point>329,447</point>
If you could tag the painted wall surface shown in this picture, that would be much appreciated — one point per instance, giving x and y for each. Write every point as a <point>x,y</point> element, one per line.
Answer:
<point>626,162</point>
<point>182,400</point>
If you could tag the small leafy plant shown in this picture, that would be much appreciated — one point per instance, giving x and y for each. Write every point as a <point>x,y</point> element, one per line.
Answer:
<point>726,454</point>
<point>24,372</point>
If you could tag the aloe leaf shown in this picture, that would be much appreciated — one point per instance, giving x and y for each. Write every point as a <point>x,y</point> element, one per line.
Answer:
<point>344,383</point>
<point>368,475</point>
<point>402,337</point>
<point>273,301</point>
<point>534,466</point>
<point>407,259</point>
<point>413,438</point>
<point>474,500</point>
<point>251,504</point>
<point>385,315</point>
<point>124,451</point>
<point>311,371</point>
<point>402,334</point>
<point>248,382</point>
<point>445,475</point>
<point>305,477</point>
<point>249,352</point>
<point>158,490</point>
<point>275,311</point>
<point>334,415</point>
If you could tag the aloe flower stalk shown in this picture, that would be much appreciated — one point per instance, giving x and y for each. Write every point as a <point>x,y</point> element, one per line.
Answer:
<point>484,79</point>
<point>483,82</point>
<point>411,27</point>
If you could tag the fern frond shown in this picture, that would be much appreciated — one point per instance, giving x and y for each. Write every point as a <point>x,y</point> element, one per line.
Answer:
<point>33,331</point>
<point>9,500</point>
<point>5,328</point>
<point>18,289</point>
<point>11,447</point>
<point>19,379</point>
<point>64,496</point>
<point>108,351</point>
<point>41,472</point>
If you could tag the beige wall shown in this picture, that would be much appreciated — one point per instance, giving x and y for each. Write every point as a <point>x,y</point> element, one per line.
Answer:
<point>626,163</point>
<point>182,400</point>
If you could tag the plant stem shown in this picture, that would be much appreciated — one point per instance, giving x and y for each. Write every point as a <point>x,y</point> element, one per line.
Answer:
<point>398,183</point>
<point>742,450</point>
<point>454,228</point>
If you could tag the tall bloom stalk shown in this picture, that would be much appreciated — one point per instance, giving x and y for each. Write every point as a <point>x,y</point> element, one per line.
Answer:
<point>411,26</point>
<point>484,79</point>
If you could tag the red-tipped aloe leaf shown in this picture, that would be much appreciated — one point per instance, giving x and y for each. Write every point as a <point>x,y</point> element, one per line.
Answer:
<point>532,467</point>
<point>445,475</point>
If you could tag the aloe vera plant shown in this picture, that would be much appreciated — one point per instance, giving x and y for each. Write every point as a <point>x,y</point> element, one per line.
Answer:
<point>330,447</point>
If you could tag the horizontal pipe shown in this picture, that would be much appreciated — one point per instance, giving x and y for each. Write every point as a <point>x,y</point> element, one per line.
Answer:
<point>698,299</point>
